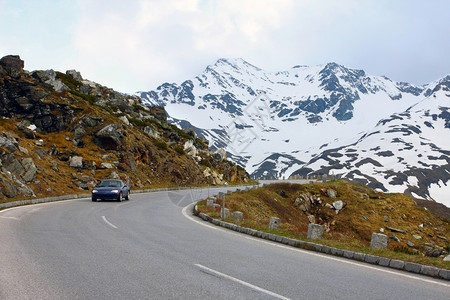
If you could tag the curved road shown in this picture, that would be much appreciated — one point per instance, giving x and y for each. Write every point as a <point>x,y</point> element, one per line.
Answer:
<point>151,248</point>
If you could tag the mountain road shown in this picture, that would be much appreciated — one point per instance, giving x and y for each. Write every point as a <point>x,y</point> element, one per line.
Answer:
<point>151,247</point>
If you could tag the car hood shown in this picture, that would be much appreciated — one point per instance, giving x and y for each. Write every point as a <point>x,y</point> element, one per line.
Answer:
<point>106,188</point>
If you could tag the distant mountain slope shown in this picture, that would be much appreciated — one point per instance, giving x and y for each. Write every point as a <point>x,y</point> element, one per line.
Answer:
<point>409,151</point>
<point>274,122</point>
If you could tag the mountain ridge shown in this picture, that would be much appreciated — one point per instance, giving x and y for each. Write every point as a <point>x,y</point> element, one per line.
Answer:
<point>274,123</point>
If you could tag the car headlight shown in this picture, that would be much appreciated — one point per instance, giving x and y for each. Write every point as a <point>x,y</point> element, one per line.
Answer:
<point>114,191</point>
<point>94,191</point>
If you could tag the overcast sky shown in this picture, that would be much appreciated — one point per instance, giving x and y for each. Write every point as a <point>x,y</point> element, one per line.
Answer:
<point>135,45</point>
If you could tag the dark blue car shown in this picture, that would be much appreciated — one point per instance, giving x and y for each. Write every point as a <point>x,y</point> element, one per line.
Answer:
<point>111,189</point>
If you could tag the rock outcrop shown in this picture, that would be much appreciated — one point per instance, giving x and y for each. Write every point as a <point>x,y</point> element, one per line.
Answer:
<point>59,129</point>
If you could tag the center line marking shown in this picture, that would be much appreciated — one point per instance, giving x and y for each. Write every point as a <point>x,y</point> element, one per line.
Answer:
<point>109,223</point>
<point>254,287</point>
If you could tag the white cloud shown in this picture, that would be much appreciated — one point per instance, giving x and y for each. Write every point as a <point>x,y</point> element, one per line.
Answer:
<point>138,44</point>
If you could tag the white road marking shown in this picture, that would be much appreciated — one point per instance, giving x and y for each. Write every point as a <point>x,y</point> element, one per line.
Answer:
<point>322,255</point>
<point>13,218</point>
<point>109,223</point>
<point>254,287</point>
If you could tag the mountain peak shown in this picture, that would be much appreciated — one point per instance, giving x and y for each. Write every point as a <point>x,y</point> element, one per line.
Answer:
<point>238,63</point>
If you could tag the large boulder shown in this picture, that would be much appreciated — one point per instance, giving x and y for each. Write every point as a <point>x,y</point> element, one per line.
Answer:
<point>74,74</point>
<point>109,137</point>
<point>76,162</point>
<point>12,64</point>
<point>7,188</point>
<point>220,155</point>
<point>30,169</point>
<point>49,77</point>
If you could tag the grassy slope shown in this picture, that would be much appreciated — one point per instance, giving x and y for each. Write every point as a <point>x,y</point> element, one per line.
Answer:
<point>348,229</point>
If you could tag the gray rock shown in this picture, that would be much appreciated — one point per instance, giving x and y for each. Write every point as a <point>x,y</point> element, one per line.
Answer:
<point>82,185</point>
<point>220,154</point>
<point>378,241</point>
<point>105,165</point>
<point>274,223</point>
<point>315,231</point>
<point>109,137</point>
<point>447,258</point>
<point>79,132</point>
<point>124,119</point>
<point>395,229</point>
<point>49,77</point>
<point>238,216</point>
<point>12,64</point>
<point>331,193</point>
<point>39,143</point>
<point>338,205</point>
<point>10,144</point>
<point>76,162</point>
<point>394,237</point>
<point>410,244</point>
<point>30,169</point>
<point>90,121</point>
<point>209,202</point>
<point>365,217</point>
<point>12,165</point>
<point>8,189</point>
<point>74,74</point>
<point>311,219</point>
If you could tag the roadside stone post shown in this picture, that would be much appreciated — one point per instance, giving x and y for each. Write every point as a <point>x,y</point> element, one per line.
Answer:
<point>274,223</point>
<point>324,178</point>
<point>222,196</point>
<point>238,216</point>
<point>315,231</point>
<point>224,213</point>
<point>379,241</point>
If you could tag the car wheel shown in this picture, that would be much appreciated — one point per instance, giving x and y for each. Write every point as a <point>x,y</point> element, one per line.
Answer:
<point>120,197</point>
<point>128,196</point>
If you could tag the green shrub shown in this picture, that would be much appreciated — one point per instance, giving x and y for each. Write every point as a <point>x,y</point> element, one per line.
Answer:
<point>160,144</point>
<point>179,150</point>
<point>137,122</point>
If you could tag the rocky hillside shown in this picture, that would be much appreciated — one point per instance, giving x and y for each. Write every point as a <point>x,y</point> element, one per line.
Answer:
<point>61,134</point>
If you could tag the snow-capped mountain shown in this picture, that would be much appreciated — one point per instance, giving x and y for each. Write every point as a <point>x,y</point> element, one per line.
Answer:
<point>275,123</point>
<point>407,152</point>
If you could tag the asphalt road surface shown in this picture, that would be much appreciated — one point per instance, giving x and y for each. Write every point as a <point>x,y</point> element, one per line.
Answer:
<point>152,248</point>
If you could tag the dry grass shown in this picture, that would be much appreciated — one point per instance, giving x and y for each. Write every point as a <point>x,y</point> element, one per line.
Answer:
<point>348,229</point>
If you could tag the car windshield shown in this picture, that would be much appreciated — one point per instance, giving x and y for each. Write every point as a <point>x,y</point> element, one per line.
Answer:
<point>110,183</point>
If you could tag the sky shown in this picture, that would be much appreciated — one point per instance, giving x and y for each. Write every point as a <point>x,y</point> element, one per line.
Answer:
<point>136,45</point>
